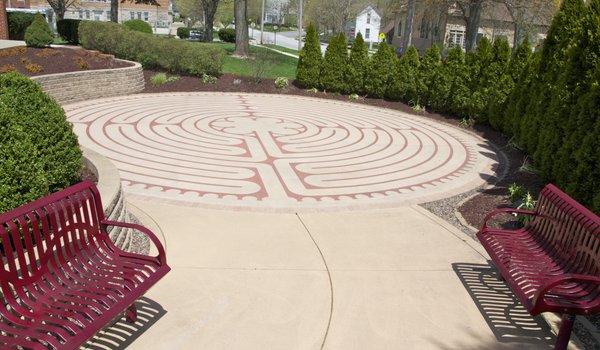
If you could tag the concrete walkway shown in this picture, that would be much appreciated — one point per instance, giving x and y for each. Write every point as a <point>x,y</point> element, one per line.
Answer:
<point>5,44</point>
<point>391,279</point>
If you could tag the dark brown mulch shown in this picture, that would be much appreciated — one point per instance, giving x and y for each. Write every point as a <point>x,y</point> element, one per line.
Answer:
<point>32,61</point>
<point>474,210</point>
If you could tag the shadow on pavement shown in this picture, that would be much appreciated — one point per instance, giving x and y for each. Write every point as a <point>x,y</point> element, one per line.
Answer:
<point>121,334</point>
<point>507,318</point>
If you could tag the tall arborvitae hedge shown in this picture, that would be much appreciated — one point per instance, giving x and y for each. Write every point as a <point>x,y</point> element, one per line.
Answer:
<point>309,62</point>
<point>501,83</point>
<point>430,76</point>
<point>334,66</point>
<point>458,75</point>
<point>405,82</point>
<point>481,76</point>
<point>520,70</point>
<point>358,62</point>
<point>381,67</point>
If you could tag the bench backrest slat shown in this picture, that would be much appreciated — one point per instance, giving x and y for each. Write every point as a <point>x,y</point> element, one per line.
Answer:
<point>568,230</point>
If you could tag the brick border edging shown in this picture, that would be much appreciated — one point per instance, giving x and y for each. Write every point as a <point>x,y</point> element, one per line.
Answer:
<point>113,202</point>
<point>91,84</point>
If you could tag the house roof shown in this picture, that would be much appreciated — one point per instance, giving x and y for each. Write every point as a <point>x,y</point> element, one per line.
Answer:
<point>369,8</point>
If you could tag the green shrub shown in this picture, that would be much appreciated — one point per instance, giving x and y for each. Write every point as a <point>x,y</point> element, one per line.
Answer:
<point>520,71</point>
<point>405,83</point>
<point>227,35</point>
<point>39,34</point>
<point>460,93</point>
<point>138,25</point>
<point>18,23</point>
<point>175,56</point>
<point>334,65</point>
<point>501,84</point>
<point>430,75</point>
<point>183,32</point>
<point>481,76</point>
<point>38,149</point>
<point>68,29</point>
<point>380,73</point>
<point>282,82</point>
<point>358,62</point>
<point>309,63</point>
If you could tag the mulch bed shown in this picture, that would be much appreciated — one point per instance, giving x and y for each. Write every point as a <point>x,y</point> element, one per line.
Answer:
<point>32,61</point>
<point>474,210</point>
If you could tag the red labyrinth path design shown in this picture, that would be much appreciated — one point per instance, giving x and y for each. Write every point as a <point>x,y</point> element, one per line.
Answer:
<point>278,152</point>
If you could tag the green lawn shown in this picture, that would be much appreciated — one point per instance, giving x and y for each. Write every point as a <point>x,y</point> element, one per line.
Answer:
<point>274,64</point>
<point>282,48</point>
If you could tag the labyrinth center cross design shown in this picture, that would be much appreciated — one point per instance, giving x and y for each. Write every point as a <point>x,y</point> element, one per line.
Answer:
<point>275,151</point>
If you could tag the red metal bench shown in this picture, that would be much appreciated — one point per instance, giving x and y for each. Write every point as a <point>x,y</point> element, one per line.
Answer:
<point>62,278</point>
<point>553,262</point>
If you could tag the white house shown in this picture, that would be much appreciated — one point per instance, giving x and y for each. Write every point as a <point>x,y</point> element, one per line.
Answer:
<point>368,22</point>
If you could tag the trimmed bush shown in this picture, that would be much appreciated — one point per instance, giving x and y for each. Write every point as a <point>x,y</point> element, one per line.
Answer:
<point>18,23</point>
<point>138,25</point>
<point>380,74</point>
<point>479,62</point>
<point>309,63</point>
<point>68,29</point>
<point>358,62</point>
<point>405,82</point>
<point>520,71</point>
<point>175,56</point>
<point>38,149</point>
<point>39,34</point>
<point>183,32</point>
<point>501,83</point>
<point>335,65</point>
<point>227,35</point>
<point>429,74</point>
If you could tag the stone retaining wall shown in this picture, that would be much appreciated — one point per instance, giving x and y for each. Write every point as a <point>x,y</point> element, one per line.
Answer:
<point>83,85</point>
<point>113,202</point>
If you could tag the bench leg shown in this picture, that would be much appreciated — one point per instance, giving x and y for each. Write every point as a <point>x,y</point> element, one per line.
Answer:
<point>131,313</point>
<point>564,334</point>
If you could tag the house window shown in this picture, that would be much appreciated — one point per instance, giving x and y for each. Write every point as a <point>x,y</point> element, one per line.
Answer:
<point>97,15</point>
<point>456,38</point>
<point>87,14</point>
<point>146,16</point>
<point>367,33</point>
<point>80,14</point>
<point>131,15</point>
<point>369,18</point>
<point>139,15</point>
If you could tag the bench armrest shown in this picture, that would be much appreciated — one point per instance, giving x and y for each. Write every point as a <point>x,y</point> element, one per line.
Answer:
<point>161,251</point>
<point>538,299</point>
<point>505,210</point>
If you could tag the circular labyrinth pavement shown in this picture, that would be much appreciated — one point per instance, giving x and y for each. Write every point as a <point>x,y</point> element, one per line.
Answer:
<point>278,152</point>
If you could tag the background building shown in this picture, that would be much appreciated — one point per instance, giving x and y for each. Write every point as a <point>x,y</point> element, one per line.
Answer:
<point>368,23</point>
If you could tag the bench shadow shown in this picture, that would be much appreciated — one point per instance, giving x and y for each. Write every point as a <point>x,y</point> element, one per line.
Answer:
<point>508,320</point>
<point>121,334</point>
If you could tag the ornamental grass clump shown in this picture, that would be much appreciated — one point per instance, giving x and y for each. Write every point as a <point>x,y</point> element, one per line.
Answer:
<point>39,152</point>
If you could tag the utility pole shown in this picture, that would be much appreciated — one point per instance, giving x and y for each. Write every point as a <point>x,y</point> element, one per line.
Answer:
<point>299,25</point>
<point>262,22</point>
<point>408,28</point>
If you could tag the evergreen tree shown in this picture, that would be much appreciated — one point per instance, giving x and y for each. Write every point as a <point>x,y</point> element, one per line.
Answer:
<point>520,72</point>
<point>501,84</point>
<point>309,62</point>
<point>429,74</point>
<point>405,82</point>
<point>358,63</point>
<point>460,93</point>
<point>479,62</point>
<point>380,72</point>
<point>334,65</point>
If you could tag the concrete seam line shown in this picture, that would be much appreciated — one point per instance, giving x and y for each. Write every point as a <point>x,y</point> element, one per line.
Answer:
<point>328,276</point>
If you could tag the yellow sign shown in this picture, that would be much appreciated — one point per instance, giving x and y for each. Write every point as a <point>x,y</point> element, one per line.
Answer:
<point>381,36</point>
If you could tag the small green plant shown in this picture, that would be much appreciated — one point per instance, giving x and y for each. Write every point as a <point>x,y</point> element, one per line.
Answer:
<point>467,123</point>
<point>418,108</point>
<point>39,34</point>
<point>227,35</point>
<point>527,167</point>
<point>163,78</point>
<point>312,90</point>
<point>282,82</point>
<point>515,192</point>
<point>208,79</point>
<point>527,203</point>
<point>353,97</point>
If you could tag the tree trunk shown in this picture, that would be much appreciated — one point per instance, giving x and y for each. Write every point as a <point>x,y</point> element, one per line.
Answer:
<point>473,19</point>
<point>241,28</point>
<point>3,21</point>
<point>60,14</point>
<point>114,11</point>
<point>210,8</point>
<point>408,26</point>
